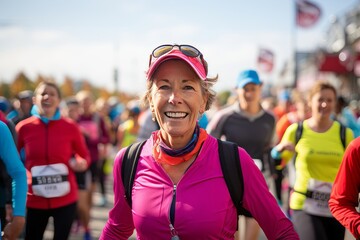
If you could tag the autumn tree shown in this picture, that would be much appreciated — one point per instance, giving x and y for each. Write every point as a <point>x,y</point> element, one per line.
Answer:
<point>223,97</point>
<point>103,93</point>
<point>40,78</point>
<point>5,90</point>
<point>67,88</point>
<point>21,83</point>
<point>87,86</point>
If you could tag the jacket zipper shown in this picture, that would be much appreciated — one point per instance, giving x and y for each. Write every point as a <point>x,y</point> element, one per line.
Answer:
<point>173,231</point>
<point>174,234</point>
<point>47,153</point>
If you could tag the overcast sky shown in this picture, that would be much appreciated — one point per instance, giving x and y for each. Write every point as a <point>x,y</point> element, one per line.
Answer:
<point>88,39</point>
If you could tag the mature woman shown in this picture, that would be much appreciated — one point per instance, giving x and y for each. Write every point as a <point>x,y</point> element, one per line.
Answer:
<point>47,142</point>
<point>319,154</point>
<point>179,190</point>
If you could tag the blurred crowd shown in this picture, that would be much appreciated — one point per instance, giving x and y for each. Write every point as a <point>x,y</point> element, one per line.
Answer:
<point>107,125</point>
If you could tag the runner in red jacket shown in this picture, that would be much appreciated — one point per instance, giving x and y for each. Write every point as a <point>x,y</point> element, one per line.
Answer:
<point>46,143</point>
<point>345,191</point>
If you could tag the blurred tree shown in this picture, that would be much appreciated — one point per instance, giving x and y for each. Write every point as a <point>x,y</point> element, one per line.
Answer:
<point>123,97</point>
<point>39,79</point>
<point>103,93</point>
<point>223,97</point>
<point>96,92</point>
<point>5,90</point>
<point>87,86</point>
<point>67,88</point>
<point>21,83</point>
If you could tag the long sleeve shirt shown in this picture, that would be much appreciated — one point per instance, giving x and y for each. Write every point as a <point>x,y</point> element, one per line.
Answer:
<point>96,133</point>
<point>346,188</point>
<point>203,206</point>
<point>15,169</point>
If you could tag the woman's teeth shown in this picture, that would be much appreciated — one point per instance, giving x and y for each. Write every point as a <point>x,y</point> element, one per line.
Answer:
<point>175,114</point>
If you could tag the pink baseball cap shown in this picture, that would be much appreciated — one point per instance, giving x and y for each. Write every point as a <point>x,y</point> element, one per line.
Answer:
<point>197,63</point>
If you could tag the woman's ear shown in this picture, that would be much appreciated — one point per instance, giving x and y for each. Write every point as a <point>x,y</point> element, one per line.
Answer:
<point>309,103</point>
<point>202,109</point>
<point>151,104</point>
<point>203,105</point>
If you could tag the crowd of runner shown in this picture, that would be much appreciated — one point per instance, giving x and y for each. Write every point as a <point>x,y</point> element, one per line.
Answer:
<point>76,139</point>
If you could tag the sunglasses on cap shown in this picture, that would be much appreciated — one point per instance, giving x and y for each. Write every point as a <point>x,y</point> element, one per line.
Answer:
<point>187,50</point>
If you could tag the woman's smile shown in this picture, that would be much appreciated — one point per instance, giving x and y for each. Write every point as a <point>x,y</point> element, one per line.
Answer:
<point>176,115</point>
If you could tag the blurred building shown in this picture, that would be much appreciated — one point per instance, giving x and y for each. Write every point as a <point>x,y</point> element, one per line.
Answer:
<point>342,54</point>
<point>338,61</point>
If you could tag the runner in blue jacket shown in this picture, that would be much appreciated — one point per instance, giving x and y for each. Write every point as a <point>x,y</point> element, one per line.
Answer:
<point>11,160</point>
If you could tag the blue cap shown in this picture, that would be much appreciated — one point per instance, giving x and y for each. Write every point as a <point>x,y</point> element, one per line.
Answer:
<point>135,110</point>
<point>133,106</point>
<point>246,77</point>
<point>284,95</point>
<point>4,104</point>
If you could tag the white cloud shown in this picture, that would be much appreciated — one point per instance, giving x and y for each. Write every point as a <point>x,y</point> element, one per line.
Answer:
<point>19,34</point>
<point>41,36</point>
<point>11,32</point>
<point>60,54</point>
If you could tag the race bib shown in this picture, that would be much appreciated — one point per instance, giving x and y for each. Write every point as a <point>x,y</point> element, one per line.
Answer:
<point>318,195</point>
<point>51,180</point>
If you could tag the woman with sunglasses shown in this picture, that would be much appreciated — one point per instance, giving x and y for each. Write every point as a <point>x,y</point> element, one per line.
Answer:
<point>179,190</point>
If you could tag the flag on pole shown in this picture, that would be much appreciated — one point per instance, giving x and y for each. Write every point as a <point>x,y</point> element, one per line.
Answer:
<point>265,60</point>
<point>307,13</point>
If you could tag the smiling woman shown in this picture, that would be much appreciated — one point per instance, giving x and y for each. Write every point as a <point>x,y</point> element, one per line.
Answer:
<point>47,142</point>
<point>179,191</point>
<point>176,100</point>
<point>319,149</point>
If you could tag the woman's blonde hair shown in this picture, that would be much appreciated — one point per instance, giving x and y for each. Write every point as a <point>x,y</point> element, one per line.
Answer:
<point>84,94</point>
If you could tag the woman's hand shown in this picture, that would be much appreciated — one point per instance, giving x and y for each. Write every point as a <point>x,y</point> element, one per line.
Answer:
<point>289,146</point>
<point>78,165</point>
<point>9,212</point>
<point>13,229</point>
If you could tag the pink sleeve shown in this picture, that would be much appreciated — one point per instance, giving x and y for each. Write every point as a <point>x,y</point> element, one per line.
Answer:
<point>80,145</point>
<point>120,223</point>
<point>344,195</point>
<point>261,203</point>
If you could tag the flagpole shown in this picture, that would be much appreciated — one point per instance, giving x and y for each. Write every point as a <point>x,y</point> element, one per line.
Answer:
<point>306,15</point>
<point>116,69</point>
<point>293,42</point>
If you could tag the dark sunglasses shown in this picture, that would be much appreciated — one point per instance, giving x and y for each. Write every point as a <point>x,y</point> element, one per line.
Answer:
<point>187,50</point>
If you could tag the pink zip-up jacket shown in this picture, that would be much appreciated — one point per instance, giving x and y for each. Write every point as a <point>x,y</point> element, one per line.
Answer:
<point>203,209</point>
